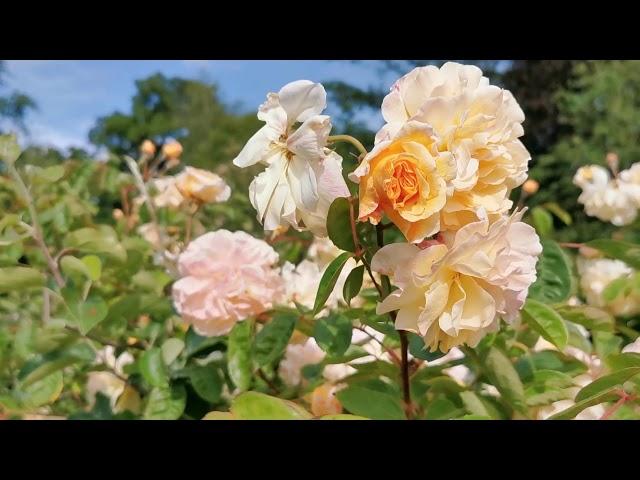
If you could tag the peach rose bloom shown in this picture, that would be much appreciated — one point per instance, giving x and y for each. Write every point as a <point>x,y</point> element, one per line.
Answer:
<point>172,149</point>
<point>226,278</point>
<point>202,186</point>
<point>166,193</point>
<point>455,292</point>
<point>467,157</point>
<point>324,400</point>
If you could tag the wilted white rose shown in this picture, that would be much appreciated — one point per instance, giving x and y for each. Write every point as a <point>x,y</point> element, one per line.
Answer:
<point>302,177</point>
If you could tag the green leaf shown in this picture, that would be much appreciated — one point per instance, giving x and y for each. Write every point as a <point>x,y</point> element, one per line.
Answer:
<point>49,174</point>
<point>74,267</point>
<point>474,404</point>
<point>505,378</point>
<point>272,340</point>
<point>542,220</point>
<point>623,360</point>
<point>559,212</point>
<point>54,361</point>
<point>94,265</point>
<point>328,281</point>
<point>258,406</point>
<point>353,284</point>
<point>546,322</point>
<point>591,318</point>
<point>339,224</point>
<point>418,349</point>
<point>166,403</point>
<point>44,391</point>
<point>342,416</point>
<point>197,343</point>
<point>443,408</point>
<point>606,382</point>
<point>619,287</point>
<point>571,412</point>
<point>206,381</point>
<point>85,314</point>
<point>171,349</point>
<point>219,416</point>
<point>333,334</point>
<point>9,149</point>
<point>629,253</point>
<point>554,275</point>
<point>18,278</point>
<point>153,369</point>
<point>239,355</point>
<point>102,240</point>
<point>371,403</point>
<point>606,343</point>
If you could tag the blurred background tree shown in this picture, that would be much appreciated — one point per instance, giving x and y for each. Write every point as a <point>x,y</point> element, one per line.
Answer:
<point>14,105</point>
<point>598,113</point>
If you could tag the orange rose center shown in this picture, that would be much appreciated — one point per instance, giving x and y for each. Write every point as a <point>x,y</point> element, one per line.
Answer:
<point>402,187</point>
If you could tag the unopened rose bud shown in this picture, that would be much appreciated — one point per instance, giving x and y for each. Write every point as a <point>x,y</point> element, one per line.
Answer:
<point>613,161</point>
<point>172,150</point>
<point>148,148</point>
<point>324,401</point>
<point>118,214</point>
<point>144,320</point>
<point>530,186</point>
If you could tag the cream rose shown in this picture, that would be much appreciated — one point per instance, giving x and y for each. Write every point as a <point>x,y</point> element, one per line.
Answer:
<point>455,292</point>
<point>596,275</point>
<point>470,132</point>
<point>226,277</point>
<point>166,194</point>
<point>609,200</point>
<point>302,177</point>
<point>202,186</point>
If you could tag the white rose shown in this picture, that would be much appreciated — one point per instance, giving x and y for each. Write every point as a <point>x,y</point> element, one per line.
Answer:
<point>302,177</point>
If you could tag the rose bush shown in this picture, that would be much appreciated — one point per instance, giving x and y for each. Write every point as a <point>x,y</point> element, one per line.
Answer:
<point>142,288</point>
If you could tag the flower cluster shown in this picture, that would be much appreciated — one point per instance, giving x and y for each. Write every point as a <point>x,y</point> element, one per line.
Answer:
<point>449,148</point>
<point>614,200</point>
<point>444,164</point>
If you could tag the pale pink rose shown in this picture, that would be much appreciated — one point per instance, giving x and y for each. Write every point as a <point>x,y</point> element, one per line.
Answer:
<point>226,277</point>
<point>455,292</point>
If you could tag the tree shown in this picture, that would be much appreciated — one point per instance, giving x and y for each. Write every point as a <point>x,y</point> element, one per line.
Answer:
<point>600,108</point>
<point>14,105</point>
<point>187,110</point>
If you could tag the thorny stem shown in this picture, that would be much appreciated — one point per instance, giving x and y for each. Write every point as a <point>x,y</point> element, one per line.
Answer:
<point>624,398</point>
<point>404,342</point>
<point>36,230</point>
<point>348,138</point>
<point>135,171</point>
<point>189,225</point>
<point>266,380</point>
<point>406,385</point>
<point>571,245</point>
<point>359,253</point>
<point>138,346</point>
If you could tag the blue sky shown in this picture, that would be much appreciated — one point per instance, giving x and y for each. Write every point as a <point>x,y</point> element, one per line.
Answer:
<point>72,94</point>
